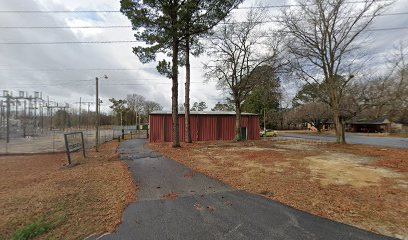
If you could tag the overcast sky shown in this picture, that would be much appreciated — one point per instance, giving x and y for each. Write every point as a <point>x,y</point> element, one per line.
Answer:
<point>66,72</point>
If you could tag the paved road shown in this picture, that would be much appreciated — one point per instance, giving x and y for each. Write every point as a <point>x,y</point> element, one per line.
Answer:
<point>208,209</point>
<point>352,138</point>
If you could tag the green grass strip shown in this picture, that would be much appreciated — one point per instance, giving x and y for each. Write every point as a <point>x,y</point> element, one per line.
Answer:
<point>31,230</point>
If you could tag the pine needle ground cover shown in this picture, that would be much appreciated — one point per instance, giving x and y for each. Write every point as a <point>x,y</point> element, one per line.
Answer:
<point>39,198</point>
<point>364,186</point>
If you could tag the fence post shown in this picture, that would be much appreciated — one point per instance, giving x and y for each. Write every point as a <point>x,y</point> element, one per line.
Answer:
<point>53,140</point>
<point>83,144</point>
<point>67,149</point>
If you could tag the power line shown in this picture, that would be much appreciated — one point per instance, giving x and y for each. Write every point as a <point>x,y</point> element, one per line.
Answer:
<point>63,27</point>
<point>130,26</point>
<point>104,84</point>
<point>67,81</point>
<point>134,41</point>
<point>70,42</point>
<point>114,82</point>
<point>147,83</point>
<point>80,69</point>
<point>59,11</point>
<point>118,11</point>
<point>298,5</point>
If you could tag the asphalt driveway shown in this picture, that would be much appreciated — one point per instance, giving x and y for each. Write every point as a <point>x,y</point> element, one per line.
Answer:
<point>208,209</point>
<point>352,138</point>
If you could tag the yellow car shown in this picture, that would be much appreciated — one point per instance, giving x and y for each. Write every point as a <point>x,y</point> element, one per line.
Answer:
<point>269,133</point>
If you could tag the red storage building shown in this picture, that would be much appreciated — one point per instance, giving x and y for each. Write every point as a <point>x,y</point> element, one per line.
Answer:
<point>205,126</point>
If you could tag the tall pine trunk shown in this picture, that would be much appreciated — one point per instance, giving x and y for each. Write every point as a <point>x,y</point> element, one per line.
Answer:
<point>174,91</point>
<point>187,93</point>
<point>237,121</point>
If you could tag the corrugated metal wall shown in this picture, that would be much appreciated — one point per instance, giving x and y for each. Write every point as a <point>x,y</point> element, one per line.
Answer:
<point>203,127</point>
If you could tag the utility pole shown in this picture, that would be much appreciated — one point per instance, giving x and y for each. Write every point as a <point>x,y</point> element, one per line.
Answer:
<point>80,113</point>
<point>35,111</point>
<point>97,112</point>
<point>51,118</point>
<point>87,117</point>
<point>1,116</point>
<point>48,111</point>
<point>8,120</point>
<point>42,114</point>
<point>97,115</point>
<point>16,115</point>
<point>88,110</point>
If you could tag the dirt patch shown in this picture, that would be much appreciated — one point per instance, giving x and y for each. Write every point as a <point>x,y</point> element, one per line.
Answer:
<point>234,149</point>
<point>299,145</point>
<point>359,185</point>
<point>394,158</point>
<point>343,169</point>
<point>85,199</point>
<point>171,195</point>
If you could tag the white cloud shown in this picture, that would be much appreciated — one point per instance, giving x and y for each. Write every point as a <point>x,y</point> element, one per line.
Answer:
<point>24,67</point>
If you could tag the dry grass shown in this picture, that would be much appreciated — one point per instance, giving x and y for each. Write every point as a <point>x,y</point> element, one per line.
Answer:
<point>333,133</point>
<point>359,185</point>
<point>79,201</point>
<point>386,157</point>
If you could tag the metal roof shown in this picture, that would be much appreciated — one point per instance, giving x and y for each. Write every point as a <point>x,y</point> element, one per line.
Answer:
<point>205,113</point>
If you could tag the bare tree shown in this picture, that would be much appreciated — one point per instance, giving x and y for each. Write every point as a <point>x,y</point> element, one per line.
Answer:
<point>237,50</point>
<point>322,38</point>
<point>315,113</point>
<point>150,106</point>
<point>136,102</point>
<point>399,82</point>
<point>387,94</point>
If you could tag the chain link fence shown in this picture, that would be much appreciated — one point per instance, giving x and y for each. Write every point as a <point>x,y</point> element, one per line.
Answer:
<point>53,141</point>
